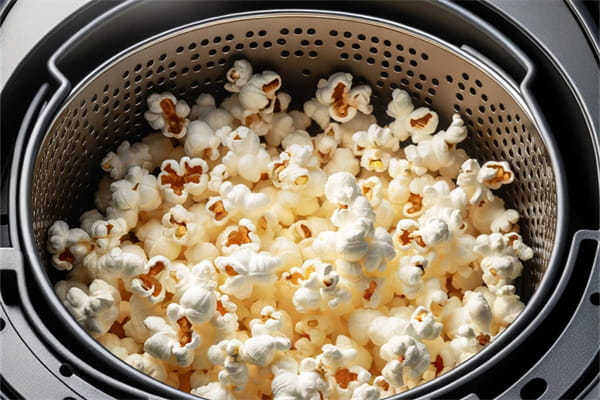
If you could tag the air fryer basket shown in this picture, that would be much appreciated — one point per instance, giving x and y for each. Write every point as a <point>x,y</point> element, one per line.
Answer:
<point>107,107</point>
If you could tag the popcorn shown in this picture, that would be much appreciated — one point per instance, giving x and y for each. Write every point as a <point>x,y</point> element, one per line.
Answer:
<point>236,237</point>
<point>168,114</point>
<point>375,146</point>
<point>421,123</point>
<point>399,108</point>
<point>407,359</point>
<point>305,382</point>
<point>148,365</point>
<point>214,391</point>
<point>139,190</point>
<point>127,155</point>
<point>178,180</point>
<point>423,326</point>
<point>95,308</point>
<point>160,148</point>
<point>296,170</point>
<point>259,92</point>
<point>233,201</point>
<point>343,102</point>
<point>228,353</point>
<point>238,75</point>
<point>67,246</point>
<point>246,269</point>
<point>491,217</point>
<point>499,264</point>
<point>332,258</point>
<point>198,299</point>
<point>171,340</point>
<point>206,110</point>
<point>120,347</point>
<point>320,289</point>
<point>438,152</point>
<point>148,284</point>
<point>246,157</point>
<point>201,141</point>
<point>156,242</point>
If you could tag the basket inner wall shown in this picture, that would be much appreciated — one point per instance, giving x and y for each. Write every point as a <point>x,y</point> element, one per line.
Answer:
<point>109,107</point>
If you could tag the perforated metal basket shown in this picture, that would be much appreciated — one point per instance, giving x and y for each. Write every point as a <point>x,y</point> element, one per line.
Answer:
<point>107,107</point>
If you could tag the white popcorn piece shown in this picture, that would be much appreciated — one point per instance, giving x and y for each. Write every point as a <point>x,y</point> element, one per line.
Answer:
<point>148,284</point>
<point>421,123</point>
<point>342,160</point>
<point>305,382</point>
<point>156,242</point>
<point>473,312</point>
<point>320,290</point>
<point>365,392</point>
<point>107,234</point>
<point>246,157</point>
<point>261,350</point>
<point>318,112</point>
<point>228,353</point>
<point>499,264</point>
<point>238,75</point>
<point>233,201</point>
<point>205,110</point>
<point>148,365</point>
<point>178,180</point>
<point>407,359</point>
<point>246,269</point>
<point>438,152</point>
<point>282,124</point>
<point>95,308</point>
<point>67,246</point>
<point>197,296</point>
<point>271,322</point>
<point>410,275</point>
<point>125,262</point>
<point>521,250</point>
<point>506,306</point>
<point>201,141</point>
<point>127,155</point>
<point>467,343</point>
<point>375,146</point>
<point>167,113</point>
<point>297,170</point>
<point>214,391</point>
<point>343,102</point>
<point>173,340</point>
<point>180,226</point>
<point>139,190</point>
<point>325,146</point>
<point>314,330</point>
<point>491,216</point>
<point>235,237</point>
<point>120,347</point>
<point>160,148</point>
<point>495,174</point>
<point>431,294</point>
<point>399,108</point>
<point>407,236</point>
<point>359,322</point>
<point>260,91</point>
<point>423,325</point>
<point>299,138</point>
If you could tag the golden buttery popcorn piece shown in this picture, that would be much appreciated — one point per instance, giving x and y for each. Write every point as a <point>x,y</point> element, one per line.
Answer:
<point>249,250</point>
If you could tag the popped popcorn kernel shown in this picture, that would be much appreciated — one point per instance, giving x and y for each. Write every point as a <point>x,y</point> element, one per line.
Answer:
<point>244,248</point>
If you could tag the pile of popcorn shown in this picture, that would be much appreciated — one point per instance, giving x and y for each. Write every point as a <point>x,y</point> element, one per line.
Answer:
<point>234,255</point>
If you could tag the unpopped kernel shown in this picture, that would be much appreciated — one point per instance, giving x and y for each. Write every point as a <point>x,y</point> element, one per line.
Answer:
<point>247,250</point>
